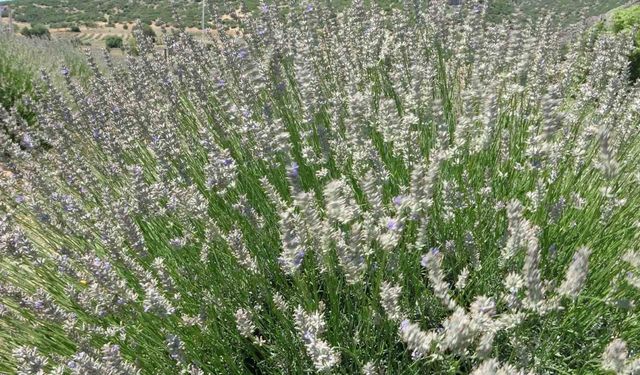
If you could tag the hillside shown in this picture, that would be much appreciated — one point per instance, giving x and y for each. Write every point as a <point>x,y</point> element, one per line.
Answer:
<point>62,13</point>
<point>570,10</point>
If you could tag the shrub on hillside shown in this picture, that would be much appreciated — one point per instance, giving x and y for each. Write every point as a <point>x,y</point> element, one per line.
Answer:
<point>628,20</point>
<point>59,25</point>
<point>36,31</point>
<point>74,29</point>
<point>113,41</point>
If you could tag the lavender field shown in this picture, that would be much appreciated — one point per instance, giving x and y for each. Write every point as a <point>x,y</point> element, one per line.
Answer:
<point>333,190</point>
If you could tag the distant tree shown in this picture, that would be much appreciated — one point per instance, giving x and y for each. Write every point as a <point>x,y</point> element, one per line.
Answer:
<point>125,26</point>
<point>37,31</point>
<point>113,41</point>
<point>74,29</point>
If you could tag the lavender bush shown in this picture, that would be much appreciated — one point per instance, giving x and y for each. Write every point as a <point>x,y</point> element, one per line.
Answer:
<point>404,192</point>
<point>21,60</point>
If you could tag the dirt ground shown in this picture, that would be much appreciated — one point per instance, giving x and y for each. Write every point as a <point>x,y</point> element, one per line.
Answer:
<point>95,36</point>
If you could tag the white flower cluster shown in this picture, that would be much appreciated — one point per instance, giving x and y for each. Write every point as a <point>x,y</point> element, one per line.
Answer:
<point>246,327</point>
<point>310,327</point>
<point>616,358</point>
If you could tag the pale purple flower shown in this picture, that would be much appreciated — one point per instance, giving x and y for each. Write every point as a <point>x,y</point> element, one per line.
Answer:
<point>398,199</point>
<point>293,169</point>
<point>393,225</point>
<point>425,258</point>
<point>27,141</point>
<point>405,324</point>
<point>297,260</point>
<point>425,261</point>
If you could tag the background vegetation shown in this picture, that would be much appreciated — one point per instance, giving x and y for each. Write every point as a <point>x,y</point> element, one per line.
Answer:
<point>21,62</point>
<point>628,21</point>
<point>113,41</point>
<point>64,13</point>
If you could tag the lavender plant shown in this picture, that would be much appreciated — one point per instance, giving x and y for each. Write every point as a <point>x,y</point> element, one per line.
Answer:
<point>21,60</point>
<point>411,191</point>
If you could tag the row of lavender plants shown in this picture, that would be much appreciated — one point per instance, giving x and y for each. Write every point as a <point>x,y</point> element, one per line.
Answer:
<point>401,192</point>
<point>21,59</point>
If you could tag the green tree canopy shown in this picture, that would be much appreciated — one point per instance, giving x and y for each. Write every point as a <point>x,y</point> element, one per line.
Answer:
<point>113,41</point>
